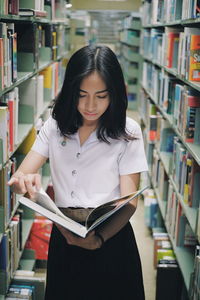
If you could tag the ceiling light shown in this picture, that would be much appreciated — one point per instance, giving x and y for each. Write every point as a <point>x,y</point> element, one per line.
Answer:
<point>68,5</point>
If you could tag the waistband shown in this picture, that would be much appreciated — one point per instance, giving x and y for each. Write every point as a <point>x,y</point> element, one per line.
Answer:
<point>78,214</point>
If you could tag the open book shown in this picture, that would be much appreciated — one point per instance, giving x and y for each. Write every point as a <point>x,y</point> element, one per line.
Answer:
<point>45,206</point>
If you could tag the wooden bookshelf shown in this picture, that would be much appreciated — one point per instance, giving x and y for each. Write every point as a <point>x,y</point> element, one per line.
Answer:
<point>156,25</point>
<point>43,58</point>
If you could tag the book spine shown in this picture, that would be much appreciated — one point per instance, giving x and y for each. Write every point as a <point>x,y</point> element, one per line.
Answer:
<point>194,68</point>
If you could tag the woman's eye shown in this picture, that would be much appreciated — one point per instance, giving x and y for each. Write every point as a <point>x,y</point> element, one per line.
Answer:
<point>102,97</point>
<point>81,96</point>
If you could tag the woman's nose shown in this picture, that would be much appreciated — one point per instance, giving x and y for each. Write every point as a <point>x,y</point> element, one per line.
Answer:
<point>90,105</point>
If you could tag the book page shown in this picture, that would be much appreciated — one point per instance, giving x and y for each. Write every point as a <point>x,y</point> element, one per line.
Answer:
<point>49,212</point>
<point>43,199</point>
<point>102,212</point>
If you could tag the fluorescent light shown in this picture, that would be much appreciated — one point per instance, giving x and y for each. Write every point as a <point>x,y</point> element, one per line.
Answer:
<point>68,5</point>
<point>112,0</point>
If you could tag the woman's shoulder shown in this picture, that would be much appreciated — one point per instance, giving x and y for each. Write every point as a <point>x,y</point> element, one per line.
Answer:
<point>50,125</point>
<point>132,126</point>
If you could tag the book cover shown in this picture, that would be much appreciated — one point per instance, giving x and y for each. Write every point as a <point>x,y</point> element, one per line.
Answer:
<point>28,12</point>
<point>194,187</point>
<point>172,49</point>
<point>4,131</point>
<point>46,207</point>
<point>160,242</point>
<point>194,69</point>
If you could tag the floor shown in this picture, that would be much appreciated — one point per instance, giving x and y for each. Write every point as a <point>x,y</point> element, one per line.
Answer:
<point>144,241</point>
<point>145,245</point>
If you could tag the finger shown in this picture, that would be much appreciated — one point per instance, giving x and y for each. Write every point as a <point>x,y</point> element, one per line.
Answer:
<point>13,180</point>
<point>38,182</point>
<point>91,234</point>
<point>22,185</point>
<point>29,186</point>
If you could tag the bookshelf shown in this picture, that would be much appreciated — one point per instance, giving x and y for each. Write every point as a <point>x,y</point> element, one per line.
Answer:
<point>33,55</point>
<point>169,29</point>
<point>129,37</point>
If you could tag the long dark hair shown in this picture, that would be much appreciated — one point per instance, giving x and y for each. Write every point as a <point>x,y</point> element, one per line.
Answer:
<point>82,63</point>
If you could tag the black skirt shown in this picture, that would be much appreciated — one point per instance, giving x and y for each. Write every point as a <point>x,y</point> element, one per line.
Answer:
<point>112,272</point>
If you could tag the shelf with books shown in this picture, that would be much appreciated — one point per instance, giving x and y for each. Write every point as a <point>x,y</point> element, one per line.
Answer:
<point>163,13</point>
<point>162,204</point>
<point>194,149</point>
<point>170,98</point>
<point>166,159</point>
<point>129,39</point>
<point>184,256</point>
<point>190,212</point>
<point>23,76</point>
<point>175,23</point>
<point>173,72</point>
<point>28,74</point>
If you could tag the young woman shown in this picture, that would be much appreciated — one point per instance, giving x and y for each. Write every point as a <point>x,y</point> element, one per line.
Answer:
<point>96,154</point>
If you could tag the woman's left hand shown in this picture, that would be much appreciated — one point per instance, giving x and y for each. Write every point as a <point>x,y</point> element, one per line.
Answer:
<point>90,242</point>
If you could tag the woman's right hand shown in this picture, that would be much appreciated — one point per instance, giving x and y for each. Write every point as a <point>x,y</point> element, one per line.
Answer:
<point>25,183</point>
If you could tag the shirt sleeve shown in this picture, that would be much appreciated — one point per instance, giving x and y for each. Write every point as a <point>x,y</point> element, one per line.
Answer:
<point>41,144</point>
<point>133,158</point>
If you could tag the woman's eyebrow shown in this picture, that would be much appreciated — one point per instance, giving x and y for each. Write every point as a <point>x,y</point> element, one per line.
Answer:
<point>95,93</point>
<point>101,91</point>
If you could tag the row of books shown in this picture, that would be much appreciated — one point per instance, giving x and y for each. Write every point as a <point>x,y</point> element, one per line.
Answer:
<point>175,220</point>
<point>12,7</point>
<point>182,167</point>
<point>178,100</point>
<point>174,48</point>
<point>38,8</point>
<point>7,197</point>
<point>186,174</point>
<point>131,22</point>
<point>10,249</point>
<point>174,214</point>
<point>20,292</point>
<point>168,270</point>
<point>131,37</point>
<point>8,55</point>
<point>151,210</point>
<point>27,48</point>
<point>16,281</point>
<point>25,103</point>
<point>159,11</point>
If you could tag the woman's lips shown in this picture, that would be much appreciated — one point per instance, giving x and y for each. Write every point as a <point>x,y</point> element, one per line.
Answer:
<point>90,114</point>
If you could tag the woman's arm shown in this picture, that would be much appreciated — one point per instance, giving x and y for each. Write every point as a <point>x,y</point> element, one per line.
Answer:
<point>26,179</point>
<point>128,184</point>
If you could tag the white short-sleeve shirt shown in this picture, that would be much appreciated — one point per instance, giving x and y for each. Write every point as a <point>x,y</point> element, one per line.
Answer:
<point>89,175</point>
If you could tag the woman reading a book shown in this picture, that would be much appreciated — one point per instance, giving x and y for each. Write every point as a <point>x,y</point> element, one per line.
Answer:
<point>96,154</point>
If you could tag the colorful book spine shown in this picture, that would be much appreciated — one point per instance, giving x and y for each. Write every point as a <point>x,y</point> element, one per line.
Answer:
<point>194,68</point>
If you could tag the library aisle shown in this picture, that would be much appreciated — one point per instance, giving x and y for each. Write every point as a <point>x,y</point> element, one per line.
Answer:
<point>145,246</point>
<point>144,240</point>
<point>158,46</point>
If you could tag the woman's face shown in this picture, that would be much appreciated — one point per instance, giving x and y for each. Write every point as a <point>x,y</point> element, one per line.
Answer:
<point>93,99</point>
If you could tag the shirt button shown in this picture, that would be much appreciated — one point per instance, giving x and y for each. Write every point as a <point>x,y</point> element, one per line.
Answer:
<point>73,172</point>
<point>72,194</point>
<point>78,155</point>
